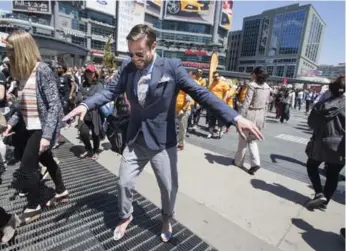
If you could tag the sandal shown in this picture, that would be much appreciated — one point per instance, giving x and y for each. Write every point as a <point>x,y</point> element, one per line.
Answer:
<point>117,234</point>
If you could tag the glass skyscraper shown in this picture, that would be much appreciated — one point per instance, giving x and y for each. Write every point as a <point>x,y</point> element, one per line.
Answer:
<point>286,41</point>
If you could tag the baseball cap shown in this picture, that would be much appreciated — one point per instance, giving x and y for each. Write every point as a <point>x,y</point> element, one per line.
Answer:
<point>91,68</point>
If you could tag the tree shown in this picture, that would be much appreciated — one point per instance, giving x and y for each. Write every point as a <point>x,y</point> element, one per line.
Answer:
<point>109,58</point>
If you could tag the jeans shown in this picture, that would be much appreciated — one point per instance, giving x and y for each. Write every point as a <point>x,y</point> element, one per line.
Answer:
<point>332,175</point>
<point>183,122</point>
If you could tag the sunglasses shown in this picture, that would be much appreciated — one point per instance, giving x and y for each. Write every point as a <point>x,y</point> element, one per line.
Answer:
<point>137,54</point>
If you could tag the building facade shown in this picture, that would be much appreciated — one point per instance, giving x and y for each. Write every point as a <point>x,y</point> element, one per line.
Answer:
<point>332,71</point>
<point>76,31</point>
<point>287,41</point>
<point>191,30</point>
<point>233,50</point>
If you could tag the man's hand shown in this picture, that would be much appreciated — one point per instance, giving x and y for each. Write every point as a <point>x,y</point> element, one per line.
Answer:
<point>181,113</point>
<point>246,125</point>
<point>80,111</point>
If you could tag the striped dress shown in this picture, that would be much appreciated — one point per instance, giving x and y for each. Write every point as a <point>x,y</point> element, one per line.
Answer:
<point>28,103</point>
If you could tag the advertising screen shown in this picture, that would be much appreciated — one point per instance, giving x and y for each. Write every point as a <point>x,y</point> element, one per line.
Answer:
<point>153,7</point>
<point>104,6</point>
<point>191,11</point>
<point>130,13</point>
<point>226,15</point>
<point>3,37</point>
<point>43,7</point>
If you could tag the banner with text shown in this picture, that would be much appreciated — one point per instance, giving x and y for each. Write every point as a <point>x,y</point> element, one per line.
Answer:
<point>130,13</point>
<point>43,7</point>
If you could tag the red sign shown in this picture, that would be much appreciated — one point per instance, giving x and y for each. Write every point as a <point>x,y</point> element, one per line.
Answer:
<point>284,81</point>
<point>196,52</point>
<point>96,52</point>
<point>195,65</point>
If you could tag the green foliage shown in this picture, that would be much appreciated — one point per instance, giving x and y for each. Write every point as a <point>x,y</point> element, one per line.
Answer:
<point>108,56</point>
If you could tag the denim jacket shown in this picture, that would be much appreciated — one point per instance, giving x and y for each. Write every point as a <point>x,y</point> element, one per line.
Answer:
<point>48,103</point>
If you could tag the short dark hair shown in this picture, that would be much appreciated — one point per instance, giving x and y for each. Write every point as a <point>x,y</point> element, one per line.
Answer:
<point>142,31</point>
<point>216,73</point>
<point>261,75</point>
<point>337,87</point>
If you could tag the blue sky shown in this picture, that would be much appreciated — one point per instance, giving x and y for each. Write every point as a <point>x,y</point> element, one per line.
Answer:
<point>332,12</point>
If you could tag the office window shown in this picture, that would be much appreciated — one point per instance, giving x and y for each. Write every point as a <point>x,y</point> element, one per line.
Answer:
<point>79,41</point>
<point>186,27</point>
<point>241,69</point>
<point>67,8</point>
<point>274,42</point>
<point>290,71</point>
<point>315,33</point>
<point>250,37</point>
<point>97,45</point>
<point>101,30</point>
<point>249,69</point>
<point>100,17</point>
<point>264,35</point>
<point>270,70</point>
<point>279,71</point>
<point>292,28</point>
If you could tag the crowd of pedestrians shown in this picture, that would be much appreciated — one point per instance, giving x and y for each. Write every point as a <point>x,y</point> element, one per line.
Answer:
<point>151,96</point>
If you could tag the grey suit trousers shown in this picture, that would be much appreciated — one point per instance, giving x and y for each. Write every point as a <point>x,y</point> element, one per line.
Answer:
<point>164,164</point>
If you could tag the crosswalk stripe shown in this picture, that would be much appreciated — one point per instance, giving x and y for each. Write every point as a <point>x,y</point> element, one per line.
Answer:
<point>293,138</point>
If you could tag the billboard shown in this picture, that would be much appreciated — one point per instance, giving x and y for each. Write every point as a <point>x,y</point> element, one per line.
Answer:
<point>153,7</point>
<point>191,11</point>
<point>104,6</point>
<point>130,13</point>
<point>3,37</point>
<point>226,15</point>
<point>42,7</point>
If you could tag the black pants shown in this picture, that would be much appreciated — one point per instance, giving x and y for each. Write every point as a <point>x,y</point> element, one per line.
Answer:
<point>197,115</point>
<point>192,114</point>
<point>332,175</point>
<point>212,123</point>
<point>84,131</point>
<point>4,217</point>
<point>307,105</point>
<point>29,168</point>
<point>285,112</point>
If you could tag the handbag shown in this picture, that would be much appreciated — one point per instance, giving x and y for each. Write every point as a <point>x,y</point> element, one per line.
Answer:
<point>116,132</point>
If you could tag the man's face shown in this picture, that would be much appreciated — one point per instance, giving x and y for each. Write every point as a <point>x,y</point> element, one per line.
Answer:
<point>216,77</point>
<point>199,73</point>
<point>141,54</point>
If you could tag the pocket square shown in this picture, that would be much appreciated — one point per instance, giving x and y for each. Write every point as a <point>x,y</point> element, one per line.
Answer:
<point>164,79</point>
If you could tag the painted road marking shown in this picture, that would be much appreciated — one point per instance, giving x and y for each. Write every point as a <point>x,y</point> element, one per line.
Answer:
<point>292,138</point>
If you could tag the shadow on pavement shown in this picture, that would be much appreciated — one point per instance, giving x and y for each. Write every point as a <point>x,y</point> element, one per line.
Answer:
<point>319,240</point>
<point>275,157</point>
<point>77,150</point>
<point>219,159</point>
<point>280,191</point>
<point>222,160</point>
<point>304,129</point>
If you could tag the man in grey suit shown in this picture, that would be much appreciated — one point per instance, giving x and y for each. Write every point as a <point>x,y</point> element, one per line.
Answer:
<point>151,84</point>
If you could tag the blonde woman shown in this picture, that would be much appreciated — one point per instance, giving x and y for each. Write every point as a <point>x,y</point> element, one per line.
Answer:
<point>41,110</point>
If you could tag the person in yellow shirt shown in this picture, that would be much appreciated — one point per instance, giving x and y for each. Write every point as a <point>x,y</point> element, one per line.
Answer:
<point>230,97</point>
<point>221,90</point>
<point>196,109</point>
<point>183,110</point>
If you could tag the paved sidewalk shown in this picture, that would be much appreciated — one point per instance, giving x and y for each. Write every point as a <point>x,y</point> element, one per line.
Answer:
<point>232,210</point>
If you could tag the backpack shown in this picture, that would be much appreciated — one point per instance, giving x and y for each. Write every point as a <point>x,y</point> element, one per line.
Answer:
<point>116,132</point>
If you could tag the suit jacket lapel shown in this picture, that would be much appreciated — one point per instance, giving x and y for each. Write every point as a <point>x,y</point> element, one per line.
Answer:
<point>156,75</point>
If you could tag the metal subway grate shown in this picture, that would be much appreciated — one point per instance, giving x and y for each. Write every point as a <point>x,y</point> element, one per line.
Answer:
<point>87,221</point>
